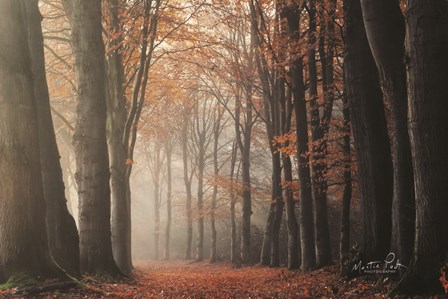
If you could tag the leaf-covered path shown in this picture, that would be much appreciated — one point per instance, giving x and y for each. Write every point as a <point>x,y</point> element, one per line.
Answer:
<point>181,279</point>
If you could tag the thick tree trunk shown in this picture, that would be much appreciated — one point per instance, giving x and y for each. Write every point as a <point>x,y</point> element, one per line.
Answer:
<point>61,228</point>
<point>427,70</point>
<point>92,163</point>
<point>116,121</point>
<point>306,200</point>
<point>23,239</point>
<point>385,30</point>
<point>370,135</point>
<point>265,256</point>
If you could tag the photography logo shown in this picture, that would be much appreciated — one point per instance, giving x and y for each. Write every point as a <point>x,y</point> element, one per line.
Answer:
<point>390,265</point>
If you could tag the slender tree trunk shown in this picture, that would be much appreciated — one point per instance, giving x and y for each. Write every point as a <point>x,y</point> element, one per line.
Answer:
<point>290,204</point>
<point>279,205</point>
<point>370,135</point>
<point>216,133</point>
<point>62,233</point>
<point>156,173</point>
<point>427,70</point>
<point>245,156</point>
<point>234,257</point>
<point>116,121</point>
<point>200,202</point>
<point>187,182</point>
<point>344,241</point>
<point>320,127</point>
<point>306,200</point>
<point>23,239</point>
<point>385,30</point>
<point>169,182</point>
<point>92,163</point>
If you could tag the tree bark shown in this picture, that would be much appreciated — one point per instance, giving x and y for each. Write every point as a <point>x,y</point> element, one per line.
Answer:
<point>156,170</point>
<point>200,200</point>
<point>370,135</point>
<point>23,239</point>
<point>320,124</point>
<point>216,133</point>
<point>292,13</point>
<point>385,30</point>
<point>92,163</point>
<point>116,121</point>
<point>187,182</point>
<point>62,233</point>
<point>169,179</point>
<point>290,203</point>
<point>234,257</point>
<point>427,71</point>
<point>344,241</point>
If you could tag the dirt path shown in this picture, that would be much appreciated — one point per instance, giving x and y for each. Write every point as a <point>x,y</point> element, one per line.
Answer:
<point>180,279</point>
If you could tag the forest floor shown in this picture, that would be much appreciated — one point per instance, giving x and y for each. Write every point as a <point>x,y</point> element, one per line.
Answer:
<point>182,279</point>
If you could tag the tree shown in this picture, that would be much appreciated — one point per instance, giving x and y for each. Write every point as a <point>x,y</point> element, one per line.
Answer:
<point>62,233</point>
<point>116,121</point>
<point>320,125</point>
<point>370,135</point>
<point>24,251</point>
<point>385,30</point>
<point>272,90</point>
<point>92,162</point>
<point>427,73</point>
<point>292,12</point>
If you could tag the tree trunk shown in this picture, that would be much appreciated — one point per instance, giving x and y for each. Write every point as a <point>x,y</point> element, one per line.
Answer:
<point>200,202</point>
<point>319,128</point>
<point>234,257</point>
<point>116,121</point>
<point>290,203</point>
<point>156,173</point>
<point>306,200</point>
<point>279,205</point>
<point>62,233</point>
<point>385,30</point>
<point>344,241</point>
<point>168,152</point>
<point>187,182</point>
<point>245,154</point>
<point>370,135</point>
<point>216,133</point>
<point>92,163</point>
<point>427,70</point>
<point>24,248</point>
